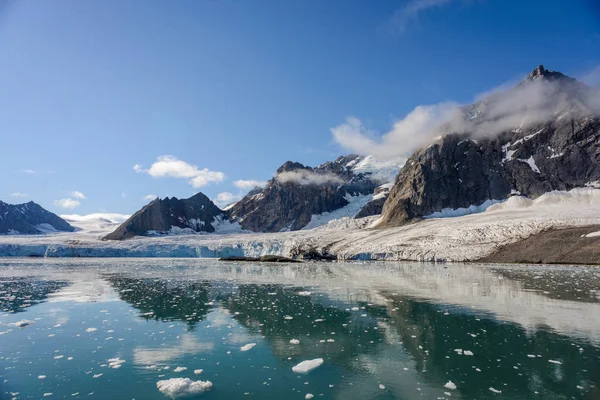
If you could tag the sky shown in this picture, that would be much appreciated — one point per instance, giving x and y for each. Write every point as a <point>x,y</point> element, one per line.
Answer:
<point>105,104</point>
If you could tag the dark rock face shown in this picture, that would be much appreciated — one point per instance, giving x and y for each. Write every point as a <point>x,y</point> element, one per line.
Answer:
<point>462,169</point>
<point>196,213</point>
<point>30,218</point>
<point>289,200</point>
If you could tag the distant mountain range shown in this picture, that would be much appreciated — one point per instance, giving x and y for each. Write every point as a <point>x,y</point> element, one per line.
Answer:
<point>541,135</point>
<point>30,218</point>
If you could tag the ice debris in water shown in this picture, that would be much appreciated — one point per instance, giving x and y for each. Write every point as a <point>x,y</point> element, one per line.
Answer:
<point>304,293</point>
<point>495,390</point>
<point>179,369</point>
<point>198,371</point>
<point>381,386</point>
<point>22,323</point>
<point>182,387</point>
<point>450,385</point>
<point>115,362</point>
<point>247,347</point>
<point>554,362</point>
<point>91,330</point>
<point>309,396</point>
<point>288,317</point>
<point>307,365</point>
<point>468,353</point>
<point>294,341</point>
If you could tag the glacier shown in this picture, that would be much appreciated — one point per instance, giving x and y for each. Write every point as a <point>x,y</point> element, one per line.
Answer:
<point>448,236</point>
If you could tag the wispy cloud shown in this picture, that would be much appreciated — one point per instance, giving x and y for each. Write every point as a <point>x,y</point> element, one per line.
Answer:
<point>225,198</point>
<point>19,194</point>
<point>111,217</point>
<point>409,13</point>
<point>149,197</point>
<point>248,184</point>
<point>67,203</point>
<point>171,167</point>
<point>307,177</point>
<point>77,194</point>
<point>503,110</point>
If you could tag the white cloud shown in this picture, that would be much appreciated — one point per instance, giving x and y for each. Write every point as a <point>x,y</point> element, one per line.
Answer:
<point>77,194</point>
<point>123,195</point>
<point>408,134</point>
<point>501,110</point>
<point>67,203</point>
<point>19,194</point>
<point>188,345</point>
<point>248,184</point>
<point>409,12</point>
<point>169,166</point>
<point>112,217</point>
<point>225,198</point>
<point>149,197</point>
<point>307,177</point>
<point>29,171</point>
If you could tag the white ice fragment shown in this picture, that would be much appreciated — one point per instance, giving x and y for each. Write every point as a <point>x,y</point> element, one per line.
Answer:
<point>288,317</point>
<point>309,396</point>
<point>468,353</point>
<point>294,341</point>
<point>381,386</point>
<point>179,369</point>
<point>22,323</point>
<point>91,330</point>
<point>304,293</point>
<point>495,390</point>
<point>554,362</point>
<point>450,385</point>
<point>307,365</point>
<point>247,346</point>
<point>41,376</point>
<point>182,387</point>
<point>115,363</point>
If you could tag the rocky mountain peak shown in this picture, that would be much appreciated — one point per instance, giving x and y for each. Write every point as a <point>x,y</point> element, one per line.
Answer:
<point>541,73</point>
<point>291,166</point>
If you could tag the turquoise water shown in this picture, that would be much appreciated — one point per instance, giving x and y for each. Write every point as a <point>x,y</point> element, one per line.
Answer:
<point>112,329</point>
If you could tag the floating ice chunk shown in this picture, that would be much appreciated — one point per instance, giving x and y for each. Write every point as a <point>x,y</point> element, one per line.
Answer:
<point>22,323</point>
<point>198,371</point>
<point>468,353</point>
<point>91,330</point>
<point>450,385</point>
<point>97,376</point>
<point>247,347</point>
<point>381,386</point>
<point>309,396</point>
<point>330,340</point>
<point>48,394</point>
<point>308,365</point>
<point>304,293</point>
<point>179,369</point>
<point>115,363</point>
<point>319,320</point>
<point>182,387</point>
<point>41,376</point>
<point>531,355</point>
<point>288,317</point>
<point>294,341</point>
<point>554,362</point>
<point>495,390</point>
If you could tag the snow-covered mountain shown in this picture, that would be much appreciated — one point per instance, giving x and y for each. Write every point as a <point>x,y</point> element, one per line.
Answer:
<point>299,196</point>
<point>171,215</point>
<point>30,218</point>
<point>540,136</point>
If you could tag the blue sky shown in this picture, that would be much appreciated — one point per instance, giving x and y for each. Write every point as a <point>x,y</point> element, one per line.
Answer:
<point>229,90</point>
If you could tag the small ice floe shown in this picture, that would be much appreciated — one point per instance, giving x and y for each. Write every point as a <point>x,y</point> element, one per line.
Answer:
<point>308,365</point>
<point>41,376</point>
<point>247,346</point>
<point>554,362</point>
<point>319,320</point>
<point>531,355</point>
<point>450,385</point>
<point>179,369</point>
<point>309,396</point>
<point>330,340</point>
<point>495,390</point>
<point>468,353</point>
<point>381,386</point>
<point>304,293</point>
<point>48,394</point>
<point>288,317</point>
<point>89,330</point>
<point>182,387</point>
<point>58,357</point>
<point>294,341</point>
<point>97,376</point>
<point>21,324</point>
<point>115,363</point>
<point>198,371</point>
